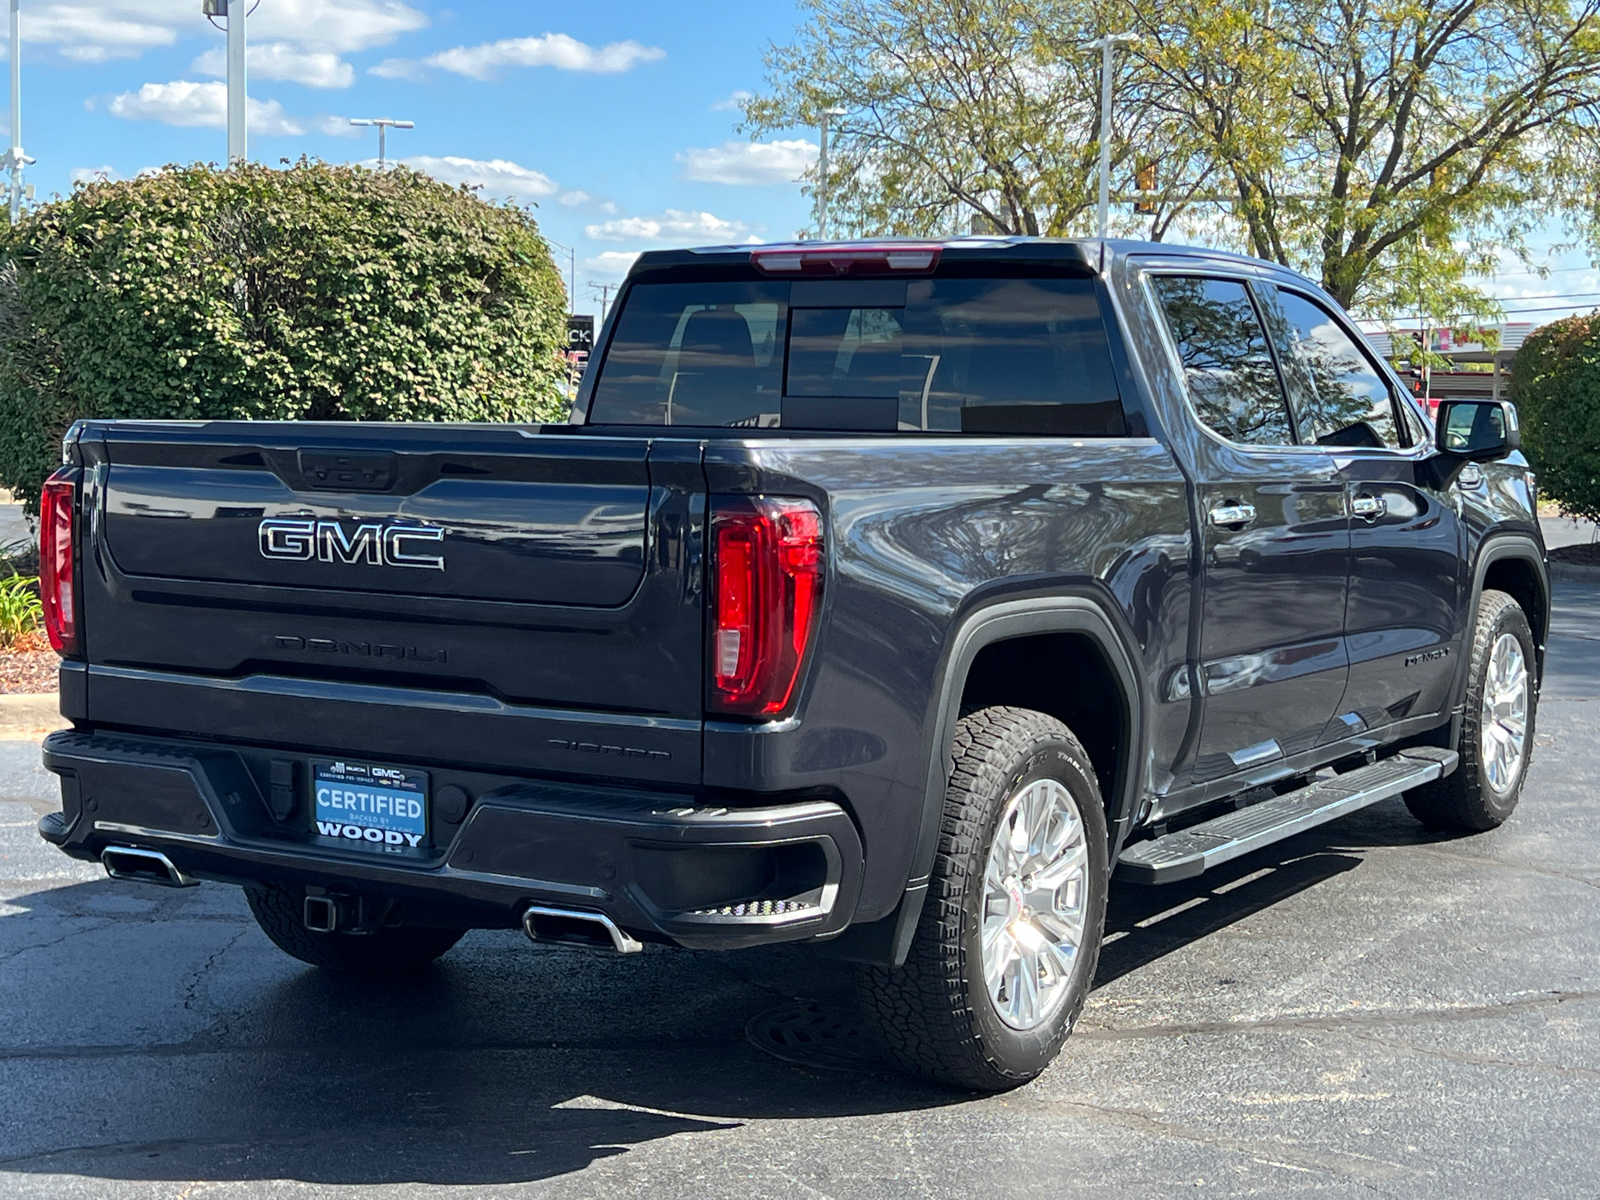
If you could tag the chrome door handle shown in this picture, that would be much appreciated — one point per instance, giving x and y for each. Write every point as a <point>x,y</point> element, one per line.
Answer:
<point>1369,508</point>
<point>1233,514</point>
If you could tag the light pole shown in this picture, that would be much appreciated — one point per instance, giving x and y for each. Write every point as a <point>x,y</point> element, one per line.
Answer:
<point>238,91</point>
<point>1104,45</point>
<point>822,171</point>
<point>384,124</point>
<point>15,159</point>
<point>572,274</point>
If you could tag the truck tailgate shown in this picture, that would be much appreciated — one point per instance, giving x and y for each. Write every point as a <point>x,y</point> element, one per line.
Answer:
<point>384,589</point>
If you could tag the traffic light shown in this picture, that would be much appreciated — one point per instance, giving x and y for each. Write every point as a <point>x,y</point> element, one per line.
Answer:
<point>1144,180</point>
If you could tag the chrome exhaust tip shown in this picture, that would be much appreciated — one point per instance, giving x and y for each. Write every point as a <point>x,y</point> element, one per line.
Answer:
<point>573,927</point>
<point>144,866</point>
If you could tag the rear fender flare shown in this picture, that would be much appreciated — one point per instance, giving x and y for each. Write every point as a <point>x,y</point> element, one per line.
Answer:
<point>1022,618</point>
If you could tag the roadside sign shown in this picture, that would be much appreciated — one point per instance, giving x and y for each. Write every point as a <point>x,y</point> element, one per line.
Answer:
<point>580,334</point>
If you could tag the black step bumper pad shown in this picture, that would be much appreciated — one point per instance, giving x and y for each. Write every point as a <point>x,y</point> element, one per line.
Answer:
<point>656,863</point>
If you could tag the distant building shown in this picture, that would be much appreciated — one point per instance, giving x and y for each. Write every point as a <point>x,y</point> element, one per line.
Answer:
<point>1442,341</point>
<point>1474,382</point>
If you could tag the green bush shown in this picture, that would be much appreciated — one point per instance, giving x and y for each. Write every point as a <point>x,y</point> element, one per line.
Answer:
<point>316,292</point>
<point>20,610</point>
<point>1555,382</point>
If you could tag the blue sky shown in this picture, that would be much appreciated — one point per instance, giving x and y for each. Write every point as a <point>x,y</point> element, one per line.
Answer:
<point>616,119</point>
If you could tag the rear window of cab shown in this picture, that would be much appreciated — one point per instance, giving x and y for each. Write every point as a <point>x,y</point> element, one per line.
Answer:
<point>959,355</point>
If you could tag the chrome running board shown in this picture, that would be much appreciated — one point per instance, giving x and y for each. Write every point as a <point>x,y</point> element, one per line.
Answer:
<point>1187,852</point>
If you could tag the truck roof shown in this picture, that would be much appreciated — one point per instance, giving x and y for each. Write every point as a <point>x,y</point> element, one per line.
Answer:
<point>1091,253</point>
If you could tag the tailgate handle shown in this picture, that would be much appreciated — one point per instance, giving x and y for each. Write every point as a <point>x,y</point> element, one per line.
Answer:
<point>348,471</point>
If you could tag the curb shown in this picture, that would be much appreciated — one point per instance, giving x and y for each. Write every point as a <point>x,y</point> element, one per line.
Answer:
<point>31,713</point>
<point>1561,572</point>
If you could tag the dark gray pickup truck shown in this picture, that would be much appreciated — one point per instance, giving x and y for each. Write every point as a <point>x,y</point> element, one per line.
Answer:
<point>889,597</point>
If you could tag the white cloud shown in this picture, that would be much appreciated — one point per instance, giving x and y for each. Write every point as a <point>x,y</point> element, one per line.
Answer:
<point>496,177</point>
<point>673,225</point>
<point>749,162</point>
<point>583,200</point>
<point>203,105</point>
<point>95,174</point>
<point>548,50</point>
<point>399,68</point>
<point>281,60</point>
<point>732,102</point>
<point>336,25</point>
<point>611,264</point>
<point>93,31</point>
<point>335,126</point>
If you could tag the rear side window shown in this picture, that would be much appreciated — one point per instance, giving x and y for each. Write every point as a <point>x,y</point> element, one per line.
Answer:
<point>1001,356</point>
<point>1232,380</point>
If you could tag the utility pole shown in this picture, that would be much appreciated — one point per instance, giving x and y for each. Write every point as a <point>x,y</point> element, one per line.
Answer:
<point>605,290</point>
<point>822,171</point>
<point>238,90</point>
<point>384,124</point>
<point>1104,45</point>
<point>15,159</point>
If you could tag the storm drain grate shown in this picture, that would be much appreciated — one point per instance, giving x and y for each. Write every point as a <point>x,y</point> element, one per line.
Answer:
<point>812,1034</point>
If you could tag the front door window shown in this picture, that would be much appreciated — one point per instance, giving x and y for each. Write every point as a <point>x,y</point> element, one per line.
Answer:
<point>1338,395</point>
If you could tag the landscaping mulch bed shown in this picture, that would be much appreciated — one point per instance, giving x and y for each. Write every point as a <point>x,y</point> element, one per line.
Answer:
<point>29,666</point>
<point>1587,555</point>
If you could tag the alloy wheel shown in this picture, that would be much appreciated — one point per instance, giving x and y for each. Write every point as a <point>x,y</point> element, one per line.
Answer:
<point>1034,903</point>
<point>1503,721</point>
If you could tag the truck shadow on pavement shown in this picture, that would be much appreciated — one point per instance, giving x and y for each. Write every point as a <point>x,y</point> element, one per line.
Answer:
<point>1144,924</point>
<point>203,1053</point>
<point>171,1042</point>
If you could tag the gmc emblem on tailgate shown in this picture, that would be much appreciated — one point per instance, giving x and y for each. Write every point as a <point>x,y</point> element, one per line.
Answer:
<point>377,544</point>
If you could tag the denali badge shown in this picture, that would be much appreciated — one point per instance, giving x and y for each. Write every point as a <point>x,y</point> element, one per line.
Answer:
<point>373,543</point>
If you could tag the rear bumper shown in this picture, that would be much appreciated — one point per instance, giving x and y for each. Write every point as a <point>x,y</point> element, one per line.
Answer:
<point>659,865</point>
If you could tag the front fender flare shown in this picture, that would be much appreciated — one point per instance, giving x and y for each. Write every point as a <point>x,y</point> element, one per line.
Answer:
<point>1495,548</point>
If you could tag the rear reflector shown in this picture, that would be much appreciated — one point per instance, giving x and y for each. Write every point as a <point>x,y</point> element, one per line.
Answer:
<point>767,566</point>
<point>849,259</point>
<point>57,526</point>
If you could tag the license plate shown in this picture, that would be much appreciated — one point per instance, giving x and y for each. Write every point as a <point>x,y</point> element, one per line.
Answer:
<point>370,807</point>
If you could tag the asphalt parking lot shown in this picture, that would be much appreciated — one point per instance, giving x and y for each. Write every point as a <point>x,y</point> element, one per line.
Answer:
<point>1368,1009</point>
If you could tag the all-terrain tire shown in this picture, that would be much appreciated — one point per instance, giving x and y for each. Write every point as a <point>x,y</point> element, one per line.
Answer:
<point>389,950</point>
<point>934,1015</point>
<point>1469,800</point>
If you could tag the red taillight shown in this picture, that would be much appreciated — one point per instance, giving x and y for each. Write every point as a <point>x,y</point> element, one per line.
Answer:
<point>848,258</point>
<point>767,568</point>
<point>57,526</point>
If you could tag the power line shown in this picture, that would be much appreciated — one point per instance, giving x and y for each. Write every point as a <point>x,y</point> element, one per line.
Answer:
<point>1550,296</point>
<point>1511,312</point>
<point>1549,271</point>
<point>1507,312</point>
